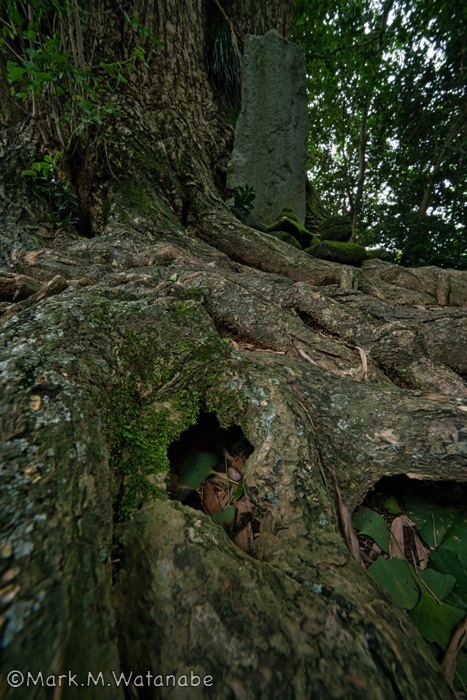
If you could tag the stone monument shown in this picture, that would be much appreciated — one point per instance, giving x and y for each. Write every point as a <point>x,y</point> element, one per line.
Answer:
<point>270,145</point>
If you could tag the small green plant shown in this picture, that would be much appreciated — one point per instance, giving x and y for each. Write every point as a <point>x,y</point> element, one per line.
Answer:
<point>51,73</point>
<point>241,201</point>
<point>59,194</point>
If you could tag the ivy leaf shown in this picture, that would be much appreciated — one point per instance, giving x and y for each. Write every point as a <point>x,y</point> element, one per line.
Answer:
<point>372,524</point>
<point>392,506</point>
<point>448,562</point>
<point>435,621</point>
<point>239,490</point>
<point>15,73</point>
<point>224,517</point>
<point>439,584</point>
<point>455,538</point>
<point>197,467</point>
<point>398,578</point>
<point>432,521</point>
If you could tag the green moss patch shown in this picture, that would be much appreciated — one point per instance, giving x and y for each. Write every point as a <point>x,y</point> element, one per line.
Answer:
<point>336,228</point>
<point>287,223</point>
<point>290,214</point>
<point>334,251</point>
<point>164,384</point>
<point>341,233</point>
<point>337,220</point>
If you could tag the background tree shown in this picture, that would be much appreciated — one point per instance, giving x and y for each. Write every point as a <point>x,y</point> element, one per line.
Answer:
<point>136,306</point>
<point>387,116</point>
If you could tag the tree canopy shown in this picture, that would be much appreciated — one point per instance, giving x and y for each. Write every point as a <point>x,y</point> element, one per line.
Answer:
<point>388,109</point>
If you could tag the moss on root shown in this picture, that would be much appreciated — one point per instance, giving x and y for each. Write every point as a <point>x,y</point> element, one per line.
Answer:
<point>332,221</point>
<point>336,228</point>
<point>340,232</point>
<point>336,251</point>
<point>287,222</point>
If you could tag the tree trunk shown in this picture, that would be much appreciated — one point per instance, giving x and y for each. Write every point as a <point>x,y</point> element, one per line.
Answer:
<point>114,345</point>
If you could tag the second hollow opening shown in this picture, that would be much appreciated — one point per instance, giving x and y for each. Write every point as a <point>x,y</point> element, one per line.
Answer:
<point>207,473</point>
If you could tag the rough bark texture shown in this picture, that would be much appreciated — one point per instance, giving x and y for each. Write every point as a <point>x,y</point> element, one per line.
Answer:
<point>112,346</point>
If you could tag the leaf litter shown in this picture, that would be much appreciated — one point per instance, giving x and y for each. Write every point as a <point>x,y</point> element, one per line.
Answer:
<point>413,539</point>
<point>212,481</point>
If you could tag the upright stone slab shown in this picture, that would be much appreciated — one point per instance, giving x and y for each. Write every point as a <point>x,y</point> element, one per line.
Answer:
<point>270,144</point>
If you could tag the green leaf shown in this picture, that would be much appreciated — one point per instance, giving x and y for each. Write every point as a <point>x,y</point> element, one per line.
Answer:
<point>372,524</point>
<point>29,172</point>
<point>15,73</point>
<point>432,521</point>
<point>448,562</point>
<point>455,538</point>
<point>398,578</point>
<point>435,621</point>
<point>197,467</point>
<point>439,584</point>
<point>239,490</point>
<point>224,517</point>
<point>392,506</point>
<point>14,14</point>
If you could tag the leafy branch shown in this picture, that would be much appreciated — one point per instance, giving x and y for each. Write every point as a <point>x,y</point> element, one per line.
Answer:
<point>51,76</point>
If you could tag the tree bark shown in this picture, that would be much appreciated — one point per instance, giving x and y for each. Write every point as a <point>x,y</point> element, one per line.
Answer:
<point>112,346</point>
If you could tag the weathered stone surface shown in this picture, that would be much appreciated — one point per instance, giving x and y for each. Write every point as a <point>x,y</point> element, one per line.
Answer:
<point>270,138</point>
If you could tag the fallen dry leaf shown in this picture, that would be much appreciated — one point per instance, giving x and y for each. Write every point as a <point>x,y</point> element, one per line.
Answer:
<point>214,494</point>
<point>364,359</point>
<point>398,542</point>
<point>245,539</point>
<point>422,552</point>
<point>347,526</point>
<point>389,436</point>
<point>237,463</point>
<point>306,357</point>
<point>210,498</point>
<point>244,506</point>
